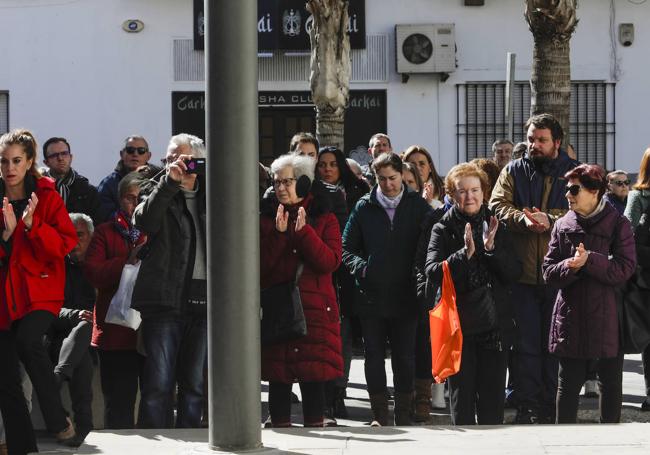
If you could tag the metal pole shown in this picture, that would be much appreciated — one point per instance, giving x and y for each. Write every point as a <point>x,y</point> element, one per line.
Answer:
<point>510,85</point>
<point>233,224</point>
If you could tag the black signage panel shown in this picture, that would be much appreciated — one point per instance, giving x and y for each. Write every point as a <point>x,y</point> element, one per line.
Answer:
<point>285,25</point>
<point>365,115</point>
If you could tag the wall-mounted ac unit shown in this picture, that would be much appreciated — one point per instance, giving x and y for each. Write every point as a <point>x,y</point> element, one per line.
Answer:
<point>425,48</point>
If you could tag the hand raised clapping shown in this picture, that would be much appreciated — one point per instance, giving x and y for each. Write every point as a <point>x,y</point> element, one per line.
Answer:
<point>470,248</point>
<point>579,259</point>
<point>490,233</point>
<point>282,219</point>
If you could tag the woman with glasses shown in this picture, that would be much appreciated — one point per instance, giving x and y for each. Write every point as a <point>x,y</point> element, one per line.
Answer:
<point>36,236</point>
<point>591,253</point>
<point>115,244</point>
<point>298,230</point>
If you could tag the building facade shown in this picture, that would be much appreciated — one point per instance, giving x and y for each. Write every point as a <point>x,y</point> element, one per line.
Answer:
<point>96,71</point>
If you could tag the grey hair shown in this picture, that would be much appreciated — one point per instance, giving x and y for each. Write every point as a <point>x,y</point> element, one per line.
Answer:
<point>135,136</point>
<point>301,165</point>
<point>130,180</point>
<point>83,218</point>
<point>500,142</point>
<point>194,142</point>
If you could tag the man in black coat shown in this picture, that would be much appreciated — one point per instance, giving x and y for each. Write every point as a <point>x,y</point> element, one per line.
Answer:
<point>77,192</point>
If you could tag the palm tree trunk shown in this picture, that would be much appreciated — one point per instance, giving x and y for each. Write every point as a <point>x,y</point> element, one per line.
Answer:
<point>552,22</point>
<point>330,68</point>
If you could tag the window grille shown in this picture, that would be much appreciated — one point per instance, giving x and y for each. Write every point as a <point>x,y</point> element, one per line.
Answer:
<point>4,112</point>
<point>481,119</point>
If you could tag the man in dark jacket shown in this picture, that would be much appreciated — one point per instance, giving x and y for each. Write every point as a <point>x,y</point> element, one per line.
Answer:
<point>379,245</point>
<point>529,197</point>
<point>171,290</point>
<point>134,154</point>
<point>75,189</point>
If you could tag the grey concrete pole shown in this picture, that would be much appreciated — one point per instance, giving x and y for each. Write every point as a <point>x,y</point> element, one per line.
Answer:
<point>233,224</point>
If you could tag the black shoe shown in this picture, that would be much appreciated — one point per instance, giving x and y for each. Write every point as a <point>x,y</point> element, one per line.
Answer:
<point>526,416</point>
<point>338,405</point>
<point>645,406</point>
<point>78,439</point>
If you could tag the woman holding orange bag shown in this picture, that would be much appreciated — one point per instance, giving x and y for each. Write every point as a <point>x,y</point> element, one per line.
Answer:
<point>474,245</point>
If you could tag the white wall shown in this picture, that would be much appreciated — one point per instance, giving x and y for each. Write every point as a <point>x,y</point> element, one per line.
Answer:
<point>72,71</point>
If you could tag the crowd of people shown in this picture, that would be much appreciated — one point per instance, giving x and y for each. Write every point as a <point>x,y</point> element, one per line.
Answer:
<point>539,247</point>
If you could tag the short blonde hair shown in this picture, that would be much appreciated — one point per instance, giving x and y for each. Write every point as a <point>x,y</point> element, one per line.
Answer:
<point>465,170</point>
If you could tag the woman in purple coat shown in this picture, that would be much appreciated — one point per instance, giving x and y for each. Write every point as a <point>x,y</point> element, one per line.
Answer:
<point>590,254</point>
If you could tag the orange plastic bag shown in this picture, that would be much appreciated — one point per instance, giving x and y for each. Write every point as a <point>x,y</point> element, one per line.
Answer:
<point>446,335</point>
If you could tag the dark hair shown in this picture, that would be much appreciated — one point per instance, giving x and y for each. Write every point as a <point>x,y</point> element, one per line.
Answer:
<point>348,177</point>
<point>26,140</point>
<point>519,149</point>
<point>303,137</point>
<point>438,182</point>
<point>130,180</point>
<point>387,160</point>
<point>546,122</point>
<point>54,140</point>
<point>492,171</point>
<point>500,142</point>
<point>406,166</point>
<point>590,176</point>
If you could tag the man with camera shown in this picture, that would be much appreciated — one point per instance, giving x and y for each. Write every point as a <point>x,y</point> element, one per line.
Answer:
<point>171,290</point>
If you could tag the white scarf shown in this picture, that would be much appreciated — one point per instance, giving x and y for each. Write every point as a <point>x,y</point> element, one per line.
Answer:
<point>389,202</point>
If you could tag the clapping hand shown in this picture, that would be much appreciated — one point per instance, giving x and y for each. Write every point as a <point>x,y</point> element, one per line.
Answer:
<point>9,219</point>
<point>579,259</point>
<point>536,221</point>
<point>469,241</point>
<point>281,219</point>
<point>301,220</point>
<point>490,233</point>
<point>427,193</point>
<point>28,214</point>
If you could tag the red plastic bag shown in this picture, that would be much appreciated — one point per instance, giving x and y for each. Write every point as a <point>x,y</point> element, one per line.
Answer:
<point>446,335</point>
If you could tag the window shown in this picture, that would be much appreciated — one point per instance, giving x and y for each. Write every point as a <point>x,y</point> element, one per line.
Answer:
<point>4,112</point>
<point>481,119</point>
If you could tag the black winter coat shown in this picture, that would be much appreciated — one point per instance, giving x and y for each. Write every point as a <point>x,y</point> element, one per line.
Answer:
<point>502,268</point>
<point>380,253</point>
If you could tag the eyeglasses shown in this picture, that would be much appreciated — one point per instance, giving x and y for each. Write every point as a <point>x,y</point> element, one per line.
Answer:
<point>131,150</point>
<point>621,182</point>
<point>285,182</point>
<point>55,155</point>
<point>573,190</point>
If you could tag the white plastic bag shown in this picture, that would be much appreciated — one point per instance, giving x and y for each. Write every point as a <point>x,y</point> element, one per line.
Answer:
<point>120,311</point>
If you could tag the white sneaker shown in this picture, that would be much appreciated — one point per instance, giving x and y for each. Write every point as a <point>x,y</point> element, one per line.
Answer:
<point>591,388</point>
<point>438,396</point>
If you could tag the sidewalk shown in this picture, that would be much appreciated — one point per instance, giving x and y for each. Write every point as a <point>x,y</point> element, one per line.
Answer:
<point>356,437</point>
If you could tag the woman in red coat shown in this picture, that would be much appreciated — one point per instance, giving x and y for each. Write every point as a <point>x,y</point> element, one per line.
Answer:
<point>114,244</point>
<point>297,227</point>
<point>37,234</point>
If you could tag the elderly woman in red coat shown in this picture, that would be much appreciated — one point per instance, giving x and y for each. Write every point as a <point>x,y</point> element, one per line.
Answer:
<point>296,226</point>
<point>37,234</point>
<point>590,254</point>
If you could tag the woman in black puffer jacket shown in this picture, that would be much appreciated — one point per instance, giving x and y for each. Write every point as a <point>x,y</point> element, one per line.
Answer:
<point>474,244</point>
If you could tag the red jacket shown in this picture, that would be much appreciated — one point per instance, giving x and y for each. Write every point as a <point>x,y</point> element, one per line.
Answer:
<point>106,256</point>
<point>33,276</point>
<point>316,357</point>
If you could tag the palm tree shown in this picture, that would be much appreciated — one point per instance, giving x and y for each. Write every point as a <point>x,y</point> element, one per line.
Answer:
<point>552,22</point>
<point>330,68</point>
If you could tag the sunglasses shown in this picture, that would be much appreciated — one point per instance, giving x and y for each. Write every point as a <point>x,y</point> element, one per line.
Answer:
<point>621,182</point>
<point>573,190</point>
<point>54,156</point>
<point>132,150</point>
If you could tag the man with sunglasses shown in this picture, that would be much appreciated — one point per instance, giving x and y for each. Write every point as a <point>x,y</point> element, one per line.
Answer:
<point>618,187</point>
<point>529,196</point>
<point>75,189</point>
<point>133,155</point>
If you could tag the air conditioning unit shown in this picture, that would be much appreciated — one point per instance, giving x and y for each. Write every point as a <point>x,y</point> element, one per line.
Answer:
<point>425,48</point>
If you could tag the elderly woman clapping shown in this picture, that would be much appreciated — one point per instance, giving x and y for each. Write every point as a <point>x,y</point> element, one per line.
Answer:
<point>297,228</point>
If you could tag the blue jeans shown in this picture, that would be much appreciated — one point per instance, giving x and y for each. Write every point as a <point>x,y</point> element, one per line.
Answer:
<point>176,354</point>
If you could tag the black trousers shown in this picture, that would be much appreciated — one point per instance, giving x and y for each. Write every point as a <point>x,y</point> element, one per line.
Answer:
<point>423,349</point>
<point>571,377</point>
<point>120,373</point>
<point>28,334</point>
<point>646,369</point>
<point>17,421</point>
<point>70,349</point>
<point>477,391</point>
<point>313,400</point>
